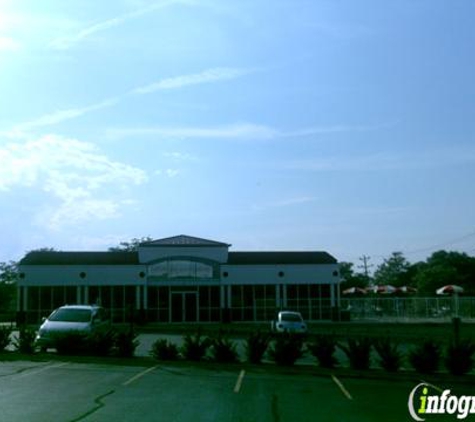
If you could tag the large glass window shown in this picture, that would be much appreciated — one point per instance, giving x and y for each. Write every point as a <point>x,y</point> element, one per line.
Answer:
<point>181,269</point>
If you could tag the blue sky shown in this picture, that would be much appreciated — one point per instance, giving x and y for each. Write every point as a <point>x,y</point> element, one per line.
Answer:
<point>345,126</point>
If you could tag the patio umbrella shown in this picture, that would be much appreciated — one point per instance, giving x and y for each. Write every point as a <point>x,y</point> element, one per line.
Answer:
<point>406,289</point>
<point>354,291</point>
<point>449,290</point>
<point>387,289</point>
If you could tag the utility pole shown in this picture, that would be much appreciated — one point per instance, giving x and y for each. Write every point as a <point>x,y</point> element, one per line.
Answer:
<point>365,266</point>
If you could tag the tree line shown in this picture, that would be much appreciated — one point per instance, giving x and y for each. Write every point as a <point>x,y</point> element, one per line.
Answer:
<point>440,269</point>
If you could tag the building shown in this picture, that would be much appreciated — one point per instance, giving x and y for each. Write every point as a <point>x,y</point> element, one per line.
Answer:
<point>181,279</point>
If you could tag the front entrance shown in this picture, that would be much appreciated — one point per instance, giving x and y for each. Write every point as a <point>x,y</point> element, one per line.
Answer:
<point>184,307</point>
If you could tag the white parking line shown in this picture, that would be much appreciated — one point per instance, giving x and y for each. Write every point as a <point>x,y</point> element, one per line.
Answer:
<point>237,387</point>
<point>139,375</point>
<point>42,369</point>
<point>342,387</point>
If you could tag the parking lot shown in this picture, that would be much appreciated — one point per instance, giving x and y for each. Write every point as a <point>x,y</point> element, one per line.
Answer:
<point>67,391</point>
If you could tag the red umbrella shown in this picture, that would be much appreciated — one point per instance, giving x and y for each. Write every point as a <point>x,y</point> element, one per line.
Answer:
<point>406,289</point>
<point>354,291</point>
<point>449,290</point>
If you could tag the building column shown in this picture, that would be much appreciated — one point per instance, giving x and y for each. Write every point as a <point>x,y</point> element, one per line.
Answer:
<point>78,294</point>
<point>284,294</point>
<point>25,298</point>
<point>145,296</point>
<point>86,295</point>
<point>332,295</point>
<point>137,297</point>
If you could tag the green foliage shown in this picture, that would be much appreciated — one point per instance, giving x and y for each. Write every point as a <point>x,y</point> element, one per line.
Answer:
<point>8,290</point>
<point>223,350</point>
<point>71,343</point>
<point>425,358</point>
<point>101,343</point>
<point>286,349</point>
<point>394,271</point>
<point>195,347</point>
<point>256,345</point>
<point>25,342</point>
<point>323,348</point>
<point>5,339</point>
<point>162,349</point>
<point>126,343</point>
<point>358,352</point>
<point>390,357</point>
<point>459,357</point>
<point>351,278</point>
<point>131,246</point>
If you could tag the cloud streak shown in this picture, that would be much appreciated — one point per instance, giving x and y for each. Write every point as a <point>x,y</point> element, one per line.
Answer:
<point>65,43</point>
<point>208,76</point>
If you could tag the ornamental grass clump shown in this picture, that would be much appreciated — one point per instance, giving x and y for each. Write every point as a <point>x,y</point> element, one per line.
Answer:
<point>195,346</point>
<point>286,349</point>
<point>223,350</point>
<point>323,348</point>
<point>358,352</point>
<point>125,343</point>
<point>256,346</point>
<point>390,357</point>
<point>5,340</point>
<point>25,341</point>
<point>459,357</point>
<point>162,349</point>
<point>425,358</point>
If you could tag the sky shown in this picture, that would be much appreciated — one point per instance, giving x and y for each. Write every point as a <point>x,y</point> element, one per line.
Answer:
<point>344,126</point>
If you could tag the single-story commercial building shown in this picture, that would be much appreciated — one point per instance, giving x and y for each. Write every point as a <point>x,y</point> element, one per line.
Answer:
<point>181,279</point>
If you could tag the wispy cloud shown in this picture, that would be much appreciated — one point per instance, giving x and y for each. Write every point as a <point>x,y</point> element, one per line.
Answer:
<point>65,43</point>
<point>76,174</point>
<point>60,116</point>
<point>288,202</point>
<point>237,131</point>
<point>9,44</point>
<point>207,76</point>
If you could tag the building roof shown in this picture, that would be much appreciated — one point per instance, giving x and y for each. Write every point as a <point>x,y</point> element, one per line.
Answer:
<point>183,240</point>
<point>276,258</point>
<point>80,258</point>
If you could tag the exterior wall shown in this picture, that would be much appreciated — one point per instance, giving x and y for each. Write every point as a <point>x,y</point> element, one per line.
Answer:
<point>215,253</point>
<point>280,274</point>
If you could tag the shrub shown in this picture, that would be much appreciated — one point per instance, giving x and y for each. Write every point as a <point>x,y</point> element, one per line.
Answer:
<point>162,349</point>
<point>5,340</point>
<point>323,349</point>
<point>425,357</point>
<point>195,347</point>
<point>25,342</point>
<point>459,358</point>
<point>390,358</point>
<point>71,343</point>
<point>126,343</point>
<point>358,352</point>
<point>223,350</point>
<point>100,343</point>
<point>256,345</point>
<point>286,349</point>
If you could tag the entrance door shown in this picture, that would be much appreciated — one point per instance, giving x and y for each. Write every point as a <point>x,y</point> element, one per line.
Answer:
<point>184,306</point>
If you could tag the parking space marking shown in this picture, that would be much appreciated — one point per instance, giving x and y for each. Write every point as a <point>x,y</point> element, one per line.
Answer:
<point>342,387</point>
<point>42,369</point>
<point>237,387</point>
<point>139,375</point>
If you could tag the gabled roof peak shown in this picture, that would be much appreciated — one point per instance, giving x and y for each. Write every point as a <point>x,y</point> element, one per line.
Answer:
<point>184,240</point>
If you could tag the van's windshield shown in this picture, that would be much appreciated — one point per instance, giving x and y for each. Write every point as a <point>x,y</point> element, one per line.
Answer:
<point>71,315</point>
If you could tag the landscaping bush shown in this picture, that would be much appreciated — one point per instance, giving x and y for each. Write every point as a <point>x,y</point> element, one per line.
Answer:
<point>126,343</point>
<point>358,352</point>
<point>425,358</point>
<point>286,349</point>
<point>195,347</point>
<point>25,342</point>
<point>100,343</point>
<point>223,350</point>
<point>71,343</point>
<point>5,340</point>
<point>323,349</point>
<point>162,349</point>
<point>390,358</point>
<point>459,357</point>
<point>256,345</point>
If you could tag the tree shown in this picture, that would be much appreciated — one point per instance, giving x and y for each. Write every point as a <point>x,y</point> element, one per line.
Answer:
<point>443,268</point>
<point>394,270</point>
<point>131,246</point>
<point>8,288</point>
<point>350,277</point>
